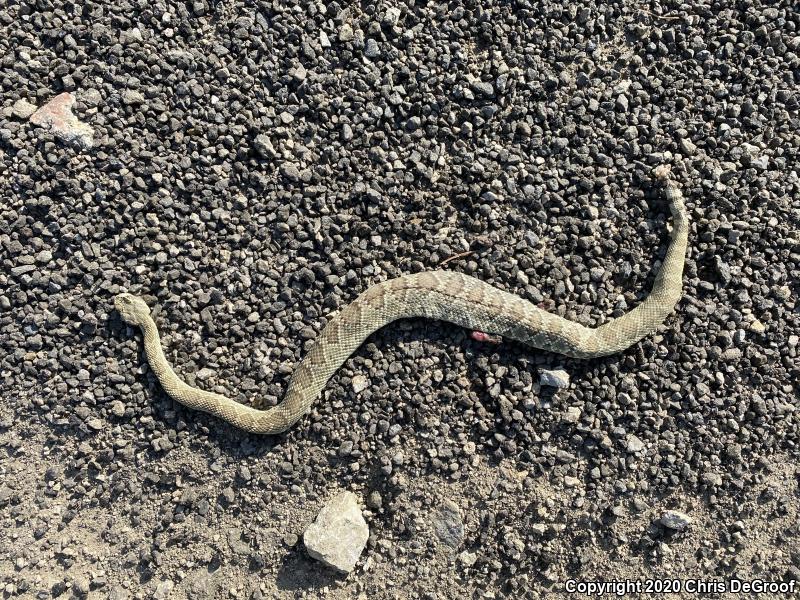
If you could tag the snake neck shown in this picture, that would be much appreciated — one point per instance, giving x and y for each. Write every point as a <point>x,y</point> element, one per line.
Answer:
<point>168,379</point>
<point>271,421</point>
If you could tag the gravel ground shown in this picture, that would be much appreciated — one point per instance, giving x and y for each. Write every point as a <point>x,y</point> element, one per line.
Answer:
<point>252,166</point>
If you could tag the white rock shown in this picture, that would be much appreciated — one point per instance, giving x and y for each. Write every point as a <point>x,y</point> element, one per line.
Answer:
<point>675,520</point>
<point>360,383</point>
<point>688,147</point>
<point>345,33</point>
<point>467,558</point>
<point>572,415</point>
<point>205,373</point>
<point>391,16</point>
<point>784,293</point>
<point>94,423</point>
<point>558,378</point>
<point>539,528</point>
<point>263,146</point>
<point>338,535</point>
<point>22,109</point>
<point>131,97</point>
<point>634,444</point>
<point>132,35</point>
<point>163,590</point>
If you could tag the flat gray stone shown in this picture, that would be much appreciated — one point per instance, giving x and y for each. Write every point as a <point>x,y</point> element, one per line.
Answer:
<point>263,145</point>
<point>483,88</point>
<point>557,378</point>
<point>290,171</point>
<point>338,534</point>
<point>676,520</point>
<point>203,584</point>
<point>448,525</point>
<point>371,49</point>
<point>22,269</point>
<point>90,97</point>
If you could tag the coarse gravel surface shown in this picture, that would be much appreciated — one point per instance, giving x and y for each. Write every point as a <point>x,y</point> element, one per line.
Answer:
<point>251,166</point>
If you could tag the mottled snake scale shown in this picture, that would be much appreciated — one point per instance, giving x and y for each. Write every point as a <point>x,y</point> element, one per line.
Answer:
<point>444,295</point>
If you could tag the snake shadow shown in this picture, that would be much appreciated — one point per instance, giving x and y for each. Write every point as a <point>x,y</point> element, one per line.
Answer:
<point>299,572</point>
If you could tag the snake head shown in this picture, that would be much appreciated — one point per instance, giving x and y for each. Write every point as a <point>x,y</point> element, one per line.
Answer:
<point>134,310</point>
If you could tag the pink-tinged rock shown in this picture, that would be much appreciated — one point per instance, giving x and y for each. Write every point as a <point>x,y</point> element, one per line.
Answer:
<point>57,116</point>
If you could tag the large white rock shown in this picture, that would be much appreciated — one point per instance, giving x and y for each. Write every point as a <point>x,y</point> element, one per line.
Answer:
<point>339,533</point>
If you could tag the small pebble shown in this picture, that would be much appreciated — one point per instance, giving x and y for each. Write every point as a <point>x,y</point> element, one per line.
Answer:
<point>675,520</point>
<point>557,378</point>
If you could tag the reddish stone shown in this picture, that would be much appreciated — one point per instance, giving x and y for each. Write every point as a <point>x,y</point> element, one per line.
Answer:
<point>57,116</point>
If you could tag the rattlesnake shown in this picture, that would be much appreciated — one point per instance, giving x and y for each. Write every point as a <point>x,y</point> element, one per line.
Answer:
<point>444,295</point>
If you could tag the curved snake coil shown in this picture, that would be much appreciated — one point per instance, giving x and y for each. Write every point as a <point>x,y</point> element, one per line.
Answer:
<point>444,295</point>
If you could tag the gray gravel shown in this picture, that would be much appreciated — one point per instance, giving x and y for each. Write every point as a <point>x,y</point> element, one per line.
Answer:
<point>254,166</point>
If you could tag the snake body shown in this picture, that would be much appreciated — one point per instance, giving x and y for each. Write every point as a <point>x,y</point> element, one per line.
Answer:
<point>444,295</point>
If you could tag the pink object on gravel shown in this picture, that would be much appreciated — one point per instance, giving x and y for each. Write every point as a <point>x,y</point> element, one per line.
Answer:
<point>480,336</point>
